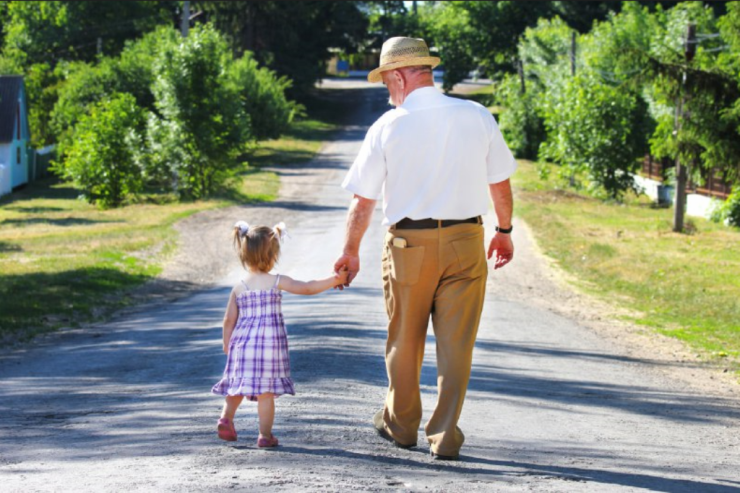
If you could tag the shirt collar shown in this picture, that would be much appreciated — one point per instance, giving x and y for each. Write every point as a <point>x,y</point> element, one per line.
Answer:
<point>418,97</point>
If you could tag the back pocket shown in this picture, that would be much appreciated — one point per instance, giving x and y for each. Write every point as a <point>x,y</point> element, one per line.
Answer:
<point>406,264</point>
<point>471,256</point>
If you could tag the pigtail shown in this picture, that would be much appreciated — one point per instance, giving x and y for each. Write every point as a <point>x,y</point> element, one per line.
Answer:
<point>241,229</point>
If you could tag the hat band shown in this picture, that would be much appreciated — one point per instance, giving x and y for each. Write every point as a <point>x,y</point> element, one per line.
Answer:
<point>403,53</point>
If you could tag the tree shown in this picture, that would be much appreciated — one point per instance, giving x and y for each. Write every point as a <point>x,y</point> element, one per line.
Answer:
<point>201,127</point>
<point>292,38</point>
<point>85,84</point>
<point>595,128</point>
<point>692,98</point>
<point>262,94</point>
<point>103,158</point>
<point>47,32</point>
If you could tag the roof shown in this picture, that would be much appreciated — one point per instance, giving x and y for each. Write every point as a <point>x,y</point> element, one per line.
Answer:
<point>10,87</point>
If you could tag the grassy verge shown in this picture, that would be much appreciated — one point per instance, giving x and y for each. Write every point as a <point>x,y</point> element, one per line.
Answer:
<point>65,262</point>
<point>684,286</point>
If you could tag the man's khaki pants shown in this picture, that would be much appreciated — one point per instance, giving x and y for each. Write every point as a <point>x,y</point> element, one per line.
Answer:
<point>441,272</point>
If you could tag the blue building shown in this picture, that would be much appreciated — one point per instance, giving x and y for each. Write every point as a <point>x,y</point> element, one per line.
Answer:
<point>14,134</point>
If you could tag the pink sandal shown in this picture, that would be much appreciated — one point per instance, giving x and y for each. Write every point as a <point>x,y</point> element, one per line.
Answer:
<point>263,442</point>
<point>226,430</point>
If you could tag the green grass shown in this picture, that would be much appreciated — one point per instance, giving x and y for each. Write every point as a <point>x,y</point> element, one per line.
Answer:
<point>64,262</point>
<point>684,286</point>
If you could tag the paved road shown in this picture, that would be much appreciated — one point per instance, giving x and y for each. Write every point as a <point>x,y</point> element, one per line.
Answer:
<point>551,405</point>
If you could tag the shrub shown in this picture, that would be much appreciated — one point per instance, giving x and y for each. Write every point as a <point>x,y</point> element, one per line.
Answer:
<point>201,128</point>
<point>102,158</point>
<point>729,210</point>
<point>595,128</point>
<point>521,124</point>
<point>263,95</point>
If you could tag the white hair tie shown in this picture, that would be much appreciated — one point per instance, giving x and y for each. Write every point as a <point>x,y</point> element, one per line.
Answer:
<point>243,228</point>
<point>281,231</point>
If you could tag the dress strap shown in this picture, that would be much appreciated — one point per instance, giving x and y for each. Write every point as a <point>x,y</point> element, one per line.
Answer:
<point>245,285</point>
<point>277,281</point>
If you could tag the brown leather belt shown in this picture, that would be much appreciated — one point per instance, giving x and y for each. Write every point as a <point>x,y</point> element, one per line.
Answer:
<point>407,223</point>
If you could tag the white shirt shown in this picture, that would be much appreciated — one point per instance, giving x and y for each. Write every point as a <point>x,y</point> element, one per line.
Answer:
<point>431,157</point>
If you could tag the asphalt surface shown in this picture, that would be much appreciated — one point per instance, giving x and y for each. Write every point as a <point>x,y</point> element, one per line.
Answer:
<point>552,406</point>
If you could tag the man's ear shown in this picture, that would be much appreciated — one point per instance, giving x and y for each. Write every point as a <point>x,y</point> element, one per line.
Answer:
<point>399,78</point>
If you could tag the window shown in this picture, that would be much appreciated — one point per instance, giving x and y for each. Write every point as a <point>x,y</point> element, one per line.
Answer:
<point>18,155</point>
<point>18,119</point>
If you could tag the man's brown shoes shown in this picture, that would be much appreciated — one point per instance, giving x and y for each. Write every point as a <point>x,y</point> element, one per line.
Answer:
<point>379,426</point>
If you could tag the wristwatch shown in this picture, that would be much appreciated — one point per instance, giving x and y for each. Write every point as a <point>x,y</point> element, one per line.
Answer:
<point>504,231</point>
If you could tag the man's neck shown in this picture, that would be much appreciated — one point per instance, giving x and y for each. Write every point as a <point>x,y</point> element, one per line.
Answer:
<point>417,85</point>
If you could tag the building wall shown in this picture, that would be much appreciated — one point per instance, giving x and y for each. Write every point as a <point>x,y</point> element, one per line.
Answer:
<point>6,174</point>
<point>696,205</point>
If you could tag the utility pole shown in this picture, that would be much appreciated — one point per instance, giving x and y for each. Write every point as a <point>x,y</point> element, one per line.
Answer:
<point>185,21</point>
<point>100,46</point>
<point>679,206</point>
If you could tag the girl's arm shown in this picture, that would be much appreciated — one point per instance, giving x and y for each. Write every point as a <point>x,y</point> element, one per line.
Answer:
<point>312,287</point>
<point>232,313</point>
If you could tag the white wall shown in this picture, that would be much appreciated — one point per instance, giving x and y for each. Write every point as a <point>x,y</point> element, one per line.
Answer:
<point>696,205</point>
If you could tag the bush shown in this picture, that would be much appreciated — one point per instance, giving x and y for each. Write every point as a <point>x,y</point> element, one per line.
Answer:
<point>522,126</point>
<point>86,84</point>
<point>729,210</point>
<point>201,128</point>
<point>102,158</point>
<point>263,95</point>
<point>595,128</point>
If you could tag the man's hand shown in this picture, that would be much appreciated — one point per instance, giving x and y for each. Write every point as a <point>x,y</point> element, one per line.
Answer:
<point>352,264</point>
<point>501,243</point>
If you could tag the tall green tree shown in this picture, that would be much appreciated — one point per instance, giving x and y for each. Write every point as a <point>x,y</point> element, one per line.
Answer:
<point>292,38</point>
<point>47,32</point>
<point>691,98</point>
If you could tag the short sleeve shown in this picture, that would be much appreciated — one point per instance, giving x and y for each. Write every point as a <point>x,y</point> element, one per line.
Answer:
<point>500,161</point>
<point>367,174</point>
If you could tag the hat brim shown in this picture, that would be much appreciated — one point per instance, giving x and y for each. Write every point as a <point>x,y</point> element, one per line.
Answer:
<point>374,76</point>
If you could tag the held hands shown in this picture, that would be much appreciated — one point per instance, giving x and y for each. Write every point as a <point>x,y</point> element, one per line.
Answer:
<point>350,264</point>
<point>341,276</point>
<point>501,243</point>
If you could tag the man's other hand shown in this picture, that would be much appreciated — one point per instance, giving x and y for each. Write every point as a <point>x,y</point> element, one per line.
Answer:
<point>503,246</point>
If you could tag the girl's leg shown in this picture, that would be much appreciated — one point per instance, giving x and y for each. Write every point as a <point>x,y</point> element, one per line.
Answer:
<point>230,406</point>
<point>266,413</point>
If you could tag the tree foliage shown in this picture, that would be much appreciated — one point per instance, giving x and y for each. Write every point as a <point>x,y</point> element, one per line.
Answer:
<point>201,127</point>
<point>48,32</point>
<point>262,94</point>
<point>292,38</point>
<point>595,128</point>
<point>103,159</point>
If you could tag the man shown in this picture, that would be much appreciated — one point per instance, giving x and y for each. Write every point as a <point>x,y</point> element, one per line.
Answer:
<point>435,159</point>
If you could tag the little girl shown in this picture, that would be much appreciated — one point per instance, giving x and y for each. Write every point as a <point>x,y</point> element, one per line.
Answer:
<point>255,341</point>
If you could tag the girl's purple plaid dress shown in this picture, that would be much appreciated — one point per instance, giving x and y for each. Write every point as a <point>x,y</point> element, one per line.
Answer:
<point>258,350</point>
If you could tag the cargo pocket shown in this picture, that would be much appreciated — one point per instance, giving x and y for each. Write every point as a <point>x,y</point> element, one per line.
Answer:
<point>471,257</point>
<point>406,264</point>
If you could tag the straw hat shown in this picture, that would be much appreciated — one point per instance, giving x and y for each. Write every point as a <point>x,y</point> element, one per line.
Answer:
<point>402,52</point>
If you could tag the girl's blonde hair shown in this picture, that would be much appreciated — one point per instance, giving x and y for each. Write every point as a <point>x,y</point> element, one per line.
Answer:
<point>259,249</point>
